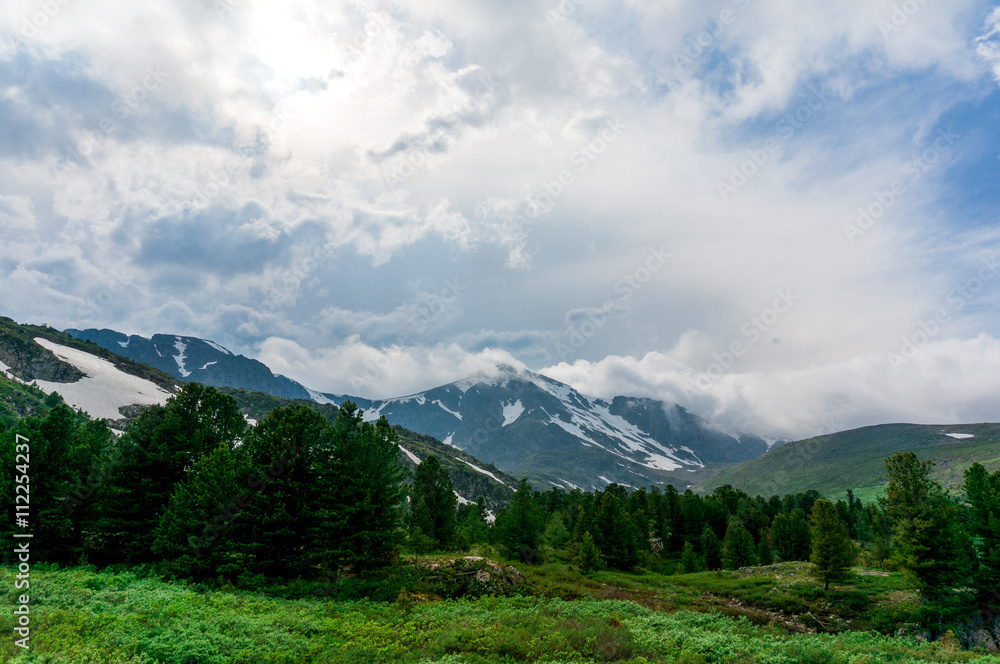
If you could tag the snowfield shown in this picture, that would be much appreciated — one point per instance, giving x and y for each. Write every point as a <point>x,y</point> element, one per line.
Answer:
<point>104,389</point>
<point>960,436</point>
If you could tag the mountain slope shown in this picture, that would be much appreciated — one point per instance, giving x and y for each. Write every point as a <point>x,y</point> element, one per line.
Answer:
<point>536,427</point>
<point>834,463</point>
<point>191,359</point>
<point>88,377</point>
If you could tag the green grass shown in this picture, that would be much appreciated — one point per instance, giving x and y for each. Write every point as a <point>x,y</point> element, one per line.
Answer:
<point>83,616</point>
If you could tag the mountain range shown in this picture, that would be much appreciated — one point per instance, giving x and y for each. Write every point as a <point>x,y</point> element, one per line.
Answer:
<point>508,422</point>
<point>524,423</point>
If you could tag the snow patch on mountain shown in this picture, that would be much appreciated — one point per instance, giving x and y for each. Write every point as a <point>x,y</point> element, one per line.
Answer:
<point>461,500</point>
<point>960,436</point>
<point>217,347</point>
<point>179,357</point>
<point>413,457</point>
<point>512,411</point>
<point>5,370</point>
<point>124,344</point>
<point>319,397</point>
<point>208,364</point>
<point>104,389</point>
<point>446,409</point>
<point>483,471</point>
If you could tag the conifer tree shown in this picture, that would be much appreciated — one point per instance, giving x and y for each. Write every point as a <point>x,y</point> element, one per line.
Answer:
<point>711,549</point>
<point>929,538</point>
<point>833,552</point>
<point>194,535</point>
<point>433,501</point>
<point>589,558</point>
<point>738,549</point>
<point>983,491</point>
<point>518,527</point>
<point>689,559</point>
<point>616,533</point>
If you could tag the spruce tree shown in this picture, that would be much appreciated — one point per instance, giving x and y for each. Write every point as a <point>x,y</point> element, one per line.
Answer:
<point>983,491</point>
<point>738,549</point>
<point>195,533</point>
<point>833,552</point>
<point>433,501</point>
<point>765,555</point>
<point>518,527</point>
<point>616,533</point>
<point>929,538</point>
<point>689,560</point>
<point>711,549</point>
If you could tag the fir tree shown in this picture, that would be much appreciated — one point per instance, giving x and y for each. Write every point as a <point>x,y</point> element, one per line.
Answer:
<point>689,560</point>
<point>433,501</point>
<point>518,527</point>
<point>983,491</point>
<point>738,549</point>
<point>711,549</point>
<point>833,552</point>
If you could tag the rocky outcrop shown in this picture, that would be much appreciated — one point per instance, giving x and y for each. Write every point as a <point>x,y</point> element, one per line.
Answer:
<point>29,361</point>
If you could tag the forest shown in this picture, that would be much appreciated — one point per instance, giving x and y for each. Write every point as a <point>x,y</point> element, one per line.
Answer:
<point>191,493</point>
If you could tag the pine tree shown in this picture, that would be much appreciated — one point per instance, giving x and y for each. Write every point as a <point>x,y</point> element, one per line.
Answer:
<point>765,555</point>
<point>983,491</point>
<point>711,549</point>
<point>790,536</point>
<point>518,527</point>
<point>616,533</point>
<point>589,558</point>
<point>281,519</point>
<point>833,552</point>
<point>362,486</point>
<point>738,549</point>
<point>194,534</point>
<point>433,501</point>
<point>689,560</point>
<point>929,539</point>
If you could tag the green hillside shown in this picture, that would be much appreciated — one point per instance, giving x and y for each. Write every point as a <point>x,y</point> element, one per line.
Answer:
<point>834,463</point>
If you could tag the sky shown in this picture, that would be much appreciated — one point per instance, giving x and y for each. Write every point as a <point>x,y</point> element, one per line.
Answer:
<point>781,215</point>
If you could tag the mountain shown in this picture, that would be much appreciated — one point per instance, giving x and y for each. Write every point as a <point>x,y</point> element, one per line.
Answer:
<point>533,426</point>
<point>191,359</point>
<point>36,362</point>
<point>88,377</point>
<point>855,459</point>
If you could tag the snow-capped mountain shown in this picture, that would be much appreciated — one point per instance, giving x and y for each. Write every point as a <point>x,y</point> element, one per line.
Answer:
<point>524,423</point>
<point>191,359</point>
<point>530,425</point>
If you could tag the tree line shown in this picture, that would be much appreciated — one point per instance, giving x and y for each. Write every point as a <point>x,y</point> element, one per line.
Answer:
<point>193,489</point>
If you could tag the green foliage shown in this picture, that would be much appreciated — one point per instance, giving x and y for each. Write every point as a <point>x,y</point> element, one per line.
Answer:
<point>618,537</point>
<point>765,555</point>
<point>790,536</point>
<point>930,540</point>
<point>519,526</point>
<point>83,617</point>
<point>432,502</point>
<point>738,548</point>
<point>588,558</point>
<point>983,491</point>
<point>832,550</point>
<point>690,562</point>
<point>711,549</point>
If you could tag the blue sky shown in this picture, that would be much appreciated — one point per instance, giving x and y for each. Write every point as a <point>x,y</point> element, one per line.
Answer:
<point>782,216</point>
